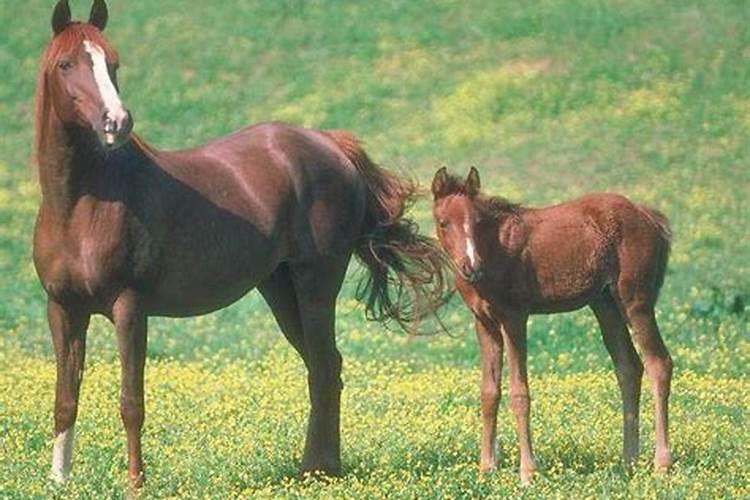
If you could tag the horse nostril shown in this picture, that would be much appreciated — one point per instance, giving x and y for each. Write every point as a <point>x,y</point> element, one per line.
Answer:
<point>126,124</point>
<point>470,274</point>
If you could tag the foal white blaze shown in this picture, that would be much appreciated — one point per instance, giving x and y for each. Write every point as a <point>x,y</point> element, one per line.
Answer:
<point>115,111</point>
<point>62,454</point>
<point>471,251</point>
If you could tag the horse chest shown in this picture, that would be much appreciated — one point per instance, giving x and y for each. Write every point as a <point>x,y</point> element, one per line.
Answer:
<point>81,259</point>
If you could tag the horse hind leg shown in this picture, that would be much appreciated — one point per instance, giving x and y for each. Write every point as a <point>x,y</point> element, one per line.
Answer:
<point>317,284</point>
<point>638,306</point>
<point>628,369</point>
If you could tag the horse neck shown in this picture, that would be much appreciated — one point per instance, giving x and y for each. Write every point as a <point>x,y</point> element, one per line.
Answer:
<point>69,160</point>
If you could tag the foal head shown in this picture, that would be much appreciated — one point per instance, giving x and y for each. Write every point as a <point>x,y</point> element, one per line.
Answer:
<point>457,218</point>
<point>78,79</point>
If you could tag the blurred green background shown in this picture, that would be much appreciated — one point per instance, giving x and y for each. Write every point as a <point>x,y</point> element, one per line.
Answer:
<point>550,99</point>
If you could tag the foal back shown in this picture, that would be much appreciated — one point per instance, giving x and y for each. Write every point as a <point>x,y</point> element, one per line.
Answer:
<point>568,254</point>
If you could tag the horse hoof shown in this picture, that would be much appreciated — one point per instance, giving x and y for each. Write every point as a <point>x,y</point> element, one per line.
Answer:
<point>136,482</point>
<point>58,477</point>
<point>662,465</point>
<point>320,471</point>
<point>487,468</point>
<point>527,476</point>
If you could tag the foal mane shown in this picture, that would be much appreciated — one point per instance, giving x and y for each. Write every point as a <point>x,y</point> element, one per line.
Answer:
<point>493,207</point>
<point>61,45</point>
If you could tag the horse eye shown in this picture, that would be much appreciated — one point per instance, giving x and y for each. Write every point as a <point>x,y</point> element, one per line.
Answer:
<point>65,65</point>
<point>443,224</point>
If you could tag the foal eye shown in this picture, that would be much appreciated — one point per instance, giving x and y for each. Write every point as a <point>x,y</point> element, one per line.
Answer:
<point>65,65</point>
<point>443,224</point>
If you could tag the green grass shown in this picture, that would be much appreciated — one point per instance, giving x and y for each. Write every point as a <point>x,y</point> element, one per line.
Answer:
<point>549,98</point>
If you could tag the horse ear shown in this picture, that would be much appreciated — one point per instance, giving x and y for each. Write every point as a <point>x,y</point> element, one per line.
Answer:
<point>99,14</point>
<point>439,182</point>
<point>61,17</point>
<point>472,182</point>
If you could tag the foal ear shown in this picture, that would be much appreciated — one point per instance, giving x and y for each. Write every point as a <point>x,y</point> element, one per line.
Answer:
<point>99,14</point>
<point>439,182</point>
<point>473,184</point>
<point>61,17</point>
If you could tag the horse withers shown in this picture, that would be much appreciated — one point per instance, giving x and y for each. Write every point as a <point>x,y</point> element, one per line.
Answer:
<point>128,231</point>
<point>601,250</point>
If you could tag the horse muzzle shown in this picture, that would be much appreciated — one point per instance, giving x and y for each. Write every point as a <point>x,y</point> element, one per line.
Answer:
<point>470,274</point>
<point>116,127</point>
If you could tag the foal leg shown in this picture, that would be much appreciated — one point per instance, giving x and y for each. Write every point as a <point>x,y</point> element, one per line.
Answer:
<point>514,337</point>
<point>278,291</point>
<point>658,364</point>
<point>68,327</point>
<point>131,323</point>
<point>628,368</point>
<point>318,284</point>
<point>491,354</point>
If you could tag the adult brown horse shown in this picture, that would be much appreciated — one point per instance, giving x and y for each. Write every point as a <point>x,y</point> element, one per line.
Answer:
<point>600,250</point>
<point>128,231</point>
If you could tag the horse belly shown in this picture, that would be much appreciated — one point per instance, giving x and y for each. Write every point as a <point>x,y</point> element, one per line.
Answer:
<point>570,278</point>
<point>211,275</point>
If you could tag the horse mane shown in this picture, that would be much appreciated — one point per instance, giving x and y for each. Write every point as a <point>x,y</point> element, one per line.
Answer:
<point>494,207</point>
<point>61,45</point>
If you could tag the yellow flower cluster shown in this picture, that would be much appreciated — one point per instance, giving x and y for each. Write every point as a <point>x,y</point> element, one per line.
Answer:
<point>218,429</point>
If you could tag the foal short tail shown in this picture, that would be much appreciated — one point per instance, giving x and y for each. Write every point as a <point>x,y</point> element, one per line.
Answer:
<point>406,271</point>
<point>660,222</point>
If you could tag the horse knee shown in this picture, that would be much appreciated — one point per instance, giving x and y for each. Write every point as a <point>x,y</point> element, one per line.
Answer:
<point>326,372</point>
<point>66,411</point>
<point>520,404</point>
<point>490,398</point>
<point>631,371</point>
<point>660,371</point>
<point>132,412</point>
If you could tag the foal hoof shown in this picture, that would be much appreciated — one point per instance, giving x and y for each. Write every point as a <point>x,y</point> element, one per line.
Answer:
<point>527,476</point>
<point>58,477</point>
<point>135,489</point>
<point>487,468</point>
<point>663,463</point>
<point>135,482</point>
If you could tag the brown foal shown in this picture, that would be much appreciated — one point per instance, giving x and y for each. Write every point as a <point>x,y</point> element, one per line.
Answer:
<point>127,231</point>
<point>601,250</point>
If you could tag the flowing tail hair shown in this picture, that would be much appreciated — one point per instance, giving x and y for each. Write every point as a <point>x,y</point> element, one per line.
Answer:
<point>406,278</point>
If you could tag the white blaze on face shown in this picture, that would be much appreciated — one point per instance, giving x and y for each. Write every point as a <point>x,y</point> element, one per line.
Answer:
<point>62,454</point>
<point>111,99</point>
<point>471,252</point>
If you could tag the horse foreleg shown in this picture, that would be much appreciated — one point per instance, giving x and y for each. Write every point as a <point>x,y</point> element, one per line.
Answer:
<point>131,324</point>
<point>491,354</point>
<point>68,327</point>
<point>514,336</point>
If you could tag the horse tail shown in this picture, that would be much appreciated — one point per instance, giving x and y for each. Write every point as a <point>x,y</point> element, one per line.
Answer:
<point>661,223</point>
<point>405,278</point>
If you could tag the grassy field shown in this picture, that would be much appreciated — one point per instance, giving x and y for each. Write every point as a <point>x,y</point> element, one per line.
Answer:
<point>550,99</point>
